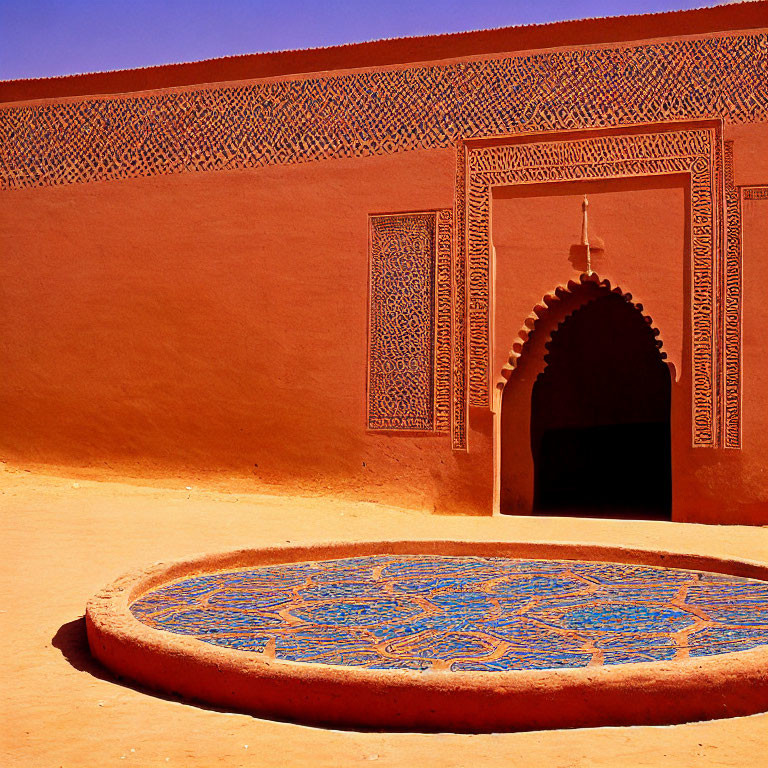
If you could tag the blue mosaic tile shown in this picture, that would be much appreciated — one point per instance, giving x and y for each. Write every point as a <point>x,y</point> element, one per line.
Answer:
<point>207,621</point>
<point>240,643</point>
<point>524,661</point>
<point>257,601</point>
<point>464,613</point>
<point>614,617</point>
<point>636,656</point>
<point>342,589</point>
<point>318,645</point>
<point>735,615</point>
<point>536,586</point>
<point>352,612</point>
<point>443,645</point>
<point>611,642</point>
<point>730,639</point>
<point>716,593</point>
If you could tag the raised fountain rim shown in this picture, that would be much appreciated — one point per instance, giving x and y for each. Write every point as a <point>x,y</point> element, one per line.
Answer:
<point>646,693</point>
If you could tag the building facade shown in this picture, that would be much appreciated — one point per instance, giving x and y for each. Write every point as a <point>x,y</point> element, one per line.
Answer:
<point>508,271</point>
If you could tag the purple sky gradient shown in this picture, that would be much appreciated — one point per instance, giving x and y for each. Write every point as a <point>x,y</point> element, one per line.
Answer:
<point>43,38</point>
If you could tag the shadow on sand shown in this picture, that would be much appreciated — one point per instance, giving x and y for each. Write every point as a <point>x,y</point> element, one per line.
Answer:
<point>72,640</point>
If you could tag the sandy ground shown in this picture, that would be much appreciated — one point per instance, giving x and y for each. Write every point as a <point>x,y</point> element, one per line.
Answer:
<point>63,538</point>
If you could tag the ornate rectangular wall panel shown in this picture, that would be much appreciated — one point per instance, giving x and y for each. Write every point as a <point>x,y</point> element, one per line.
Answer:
<point>402,329</point>
<point>692,152</point>
<point>390,110</point>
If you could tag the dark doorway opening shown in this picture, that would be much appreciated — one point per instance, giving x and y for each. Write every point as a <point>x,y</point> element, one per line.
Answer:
<point>600,417</point>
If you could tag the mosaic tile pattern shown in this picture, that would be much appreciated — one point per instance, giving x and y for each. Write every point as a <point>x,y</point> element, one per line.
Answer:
<point>464,613</point>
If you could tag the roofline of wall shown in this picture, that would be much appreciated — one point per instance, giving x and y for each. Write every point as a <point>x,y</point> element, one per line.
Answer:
<point>405,50</point>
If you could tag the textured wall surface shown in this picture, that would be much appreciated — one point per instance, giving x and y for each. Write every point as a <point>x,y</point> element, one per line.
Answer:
<point>186,284</point>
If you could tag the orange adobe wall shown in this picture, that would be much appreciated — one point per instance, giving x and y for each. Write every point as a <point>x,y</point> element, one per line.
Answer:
<point>322,268</point>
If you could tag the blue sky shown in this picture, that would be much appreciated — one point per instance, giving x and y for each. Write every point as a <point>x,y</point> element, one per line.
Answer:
<point>43,38</point>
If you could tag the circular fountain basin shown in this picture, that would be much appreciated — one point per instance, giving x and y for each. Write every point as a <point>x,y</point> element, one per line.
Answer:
<point>453,636</point>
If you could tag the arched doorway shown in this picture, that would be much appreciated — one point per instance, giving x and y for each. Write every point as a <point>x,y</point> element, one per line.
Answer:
<point>599,418</point>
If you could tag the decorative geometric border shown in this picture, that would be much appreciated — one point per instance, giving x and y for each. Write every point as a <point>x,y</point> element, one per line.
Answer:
<point>732,309</point>
<point>409,341</point>
<point>755,193</point>
<point>459,415</point>
<point>443,312</point>
<point>663,152</point>
<point>377,113</point>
